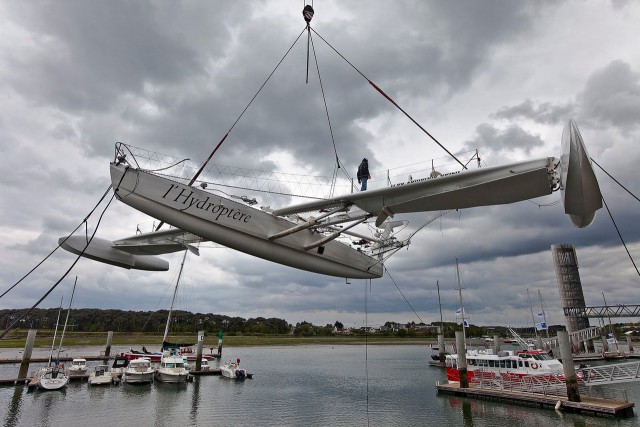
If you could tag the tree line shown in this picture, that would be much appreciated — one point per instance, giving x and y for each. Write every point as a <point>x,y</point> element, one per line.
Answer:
<point>182,322</point>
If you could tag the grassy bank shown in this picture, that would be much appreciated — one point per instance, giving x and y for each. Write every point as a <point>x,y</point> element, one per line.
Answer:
<point>74,339</point>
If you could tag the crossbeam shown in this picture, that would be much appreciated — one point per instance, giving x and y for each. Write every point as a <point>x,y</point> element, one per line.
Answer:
<point>620,310</point>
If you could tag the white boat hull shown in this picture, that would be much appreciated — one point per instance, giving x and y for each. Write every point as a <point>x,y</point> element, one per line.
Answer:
<point>233,372</point>
<point>237,226</point>
<point>138,377</point>
<point>167,376</point>
<point>51,380</point>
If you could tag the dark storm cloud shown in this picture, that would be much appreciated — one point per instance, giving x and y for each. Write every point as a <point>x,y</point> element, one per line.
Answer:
<point>611,97</point>
<point>91,52</point>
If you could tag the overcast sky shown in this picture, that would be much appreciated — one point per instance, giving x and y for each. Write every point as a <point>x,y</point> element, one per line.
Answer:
<point>501,77</point>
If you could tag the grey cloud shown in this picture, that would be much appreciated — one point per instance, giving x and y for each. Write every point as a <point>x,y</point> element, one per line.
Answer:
<point>545,113</point>
<point>508,140</point>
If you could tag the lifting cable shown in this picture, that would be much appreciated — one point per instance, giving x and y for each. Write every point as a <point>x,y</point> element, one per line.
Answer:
<point>326,109</point>
<point>366,342</point>
<point>239,117</point>
<point>390,99</point>
<point>89,239</point>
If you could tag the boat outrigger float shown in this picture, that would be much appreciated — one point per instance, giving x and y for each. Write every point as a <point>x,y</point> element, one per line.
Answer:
<point>310,242</point>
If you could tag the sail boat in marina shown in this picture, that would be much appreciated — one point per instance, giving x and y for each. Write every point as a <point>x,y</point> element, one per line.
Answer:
<point>180,349</point>
<point>53,377</point>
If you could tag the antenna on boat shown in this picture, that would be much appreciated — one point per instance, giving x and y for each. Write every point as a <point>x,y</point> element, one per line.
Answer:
<point>464,337</point>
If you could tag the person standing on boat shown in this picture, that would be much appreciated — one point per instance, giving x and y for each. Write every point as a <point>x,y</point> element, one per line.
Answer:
<point>363,174</point>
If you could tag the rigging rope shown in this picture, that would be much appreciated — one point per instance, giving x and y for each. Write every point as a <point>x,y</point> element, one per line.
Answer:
<point>405,298</point>
<point>616,181</point>
<point>620,236</point>
<point>26,313</point>
<point>84,221</point>
<point>611,216</point>
<point>390,100</point>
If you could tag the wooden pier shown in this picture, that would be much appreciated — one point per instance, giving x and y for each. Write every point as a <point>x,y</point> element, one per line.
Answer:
<point>588,405</point>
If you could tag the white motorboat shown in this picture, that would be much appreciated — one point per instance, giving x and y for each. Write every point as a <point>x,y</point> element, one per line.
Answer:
<point>171,369</point>
<point>204,365</point>
<point>233,371</point>
<point>139,371</point>
<point>51,378</point>
<point>78,367</point>
<point>101,375</point>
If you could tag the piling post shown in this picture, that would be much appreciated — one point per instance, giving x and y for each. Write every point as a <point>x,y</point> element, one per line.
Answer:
<point>107,349</point>
<point>441,345</point>
<point>199,350</point>
<point>496,344</point>
<point>462,359</point>
<point>220,344</point>
<point>26,356</point>
<point>570,377</point>
<point>629,344</point>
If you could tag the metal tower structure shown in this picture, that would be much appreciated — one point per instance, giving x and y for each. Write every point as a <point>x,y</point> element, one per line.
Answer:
<point>571,295</point>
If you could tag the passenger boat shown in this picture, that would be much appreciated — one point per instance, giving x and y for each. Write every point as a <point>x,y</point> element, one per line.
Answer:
<point>233,371</point>
<point>506,364</point>
<point>101,375</point>
<point>139,371</point>
<point>172,369</point>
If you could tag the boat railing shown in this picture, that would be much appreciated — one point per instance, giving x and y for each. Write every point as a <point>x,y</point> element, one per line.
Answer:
<point>547,385</point>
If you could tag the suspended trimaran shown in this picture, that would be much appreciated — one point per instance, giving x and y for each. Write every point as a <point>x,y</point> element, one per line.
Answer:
<point>285,236</point>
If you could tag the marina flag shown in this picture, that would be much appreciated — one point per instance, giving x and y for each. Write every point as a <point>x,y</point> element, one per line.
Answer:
<point>459,311</point>
<point>541,326</point>
<point>540,314</point>
<point>611,341</point>
<point>465,323</point>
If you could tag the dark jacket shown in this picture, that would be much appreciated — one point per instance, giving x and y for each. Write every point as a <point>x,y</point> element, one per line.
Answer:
<point>363,170</point>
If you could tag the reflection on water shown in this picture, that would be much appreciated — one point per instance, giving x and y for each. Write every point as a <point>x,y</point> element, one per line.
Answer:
<point>292,386</point>
<point>13,413</point>
<point>195,402</point>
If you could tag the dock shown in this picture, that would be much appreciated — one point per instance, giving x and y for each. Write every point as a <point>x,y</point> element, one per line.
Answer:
<point>588,405</point>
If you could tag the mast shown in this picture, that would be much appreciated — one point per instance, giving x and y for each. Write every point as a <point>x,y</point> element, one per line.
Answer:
<point>175,291</point>
<point>73,291</point>
<point>53,343</point>
<point>544,313</point>
<point>606,307</point>
<point>461,304</point>
<point>535,330</point>
<point>440,305</point>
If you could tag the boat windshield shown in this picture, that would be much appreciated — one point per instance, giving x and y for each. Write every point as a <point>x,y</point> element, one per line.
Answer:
<point>542,357</point>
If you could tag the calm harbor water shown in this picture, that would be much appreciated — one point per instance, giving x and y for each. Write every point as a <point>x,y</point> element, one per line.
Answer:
<point>349,385</point>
